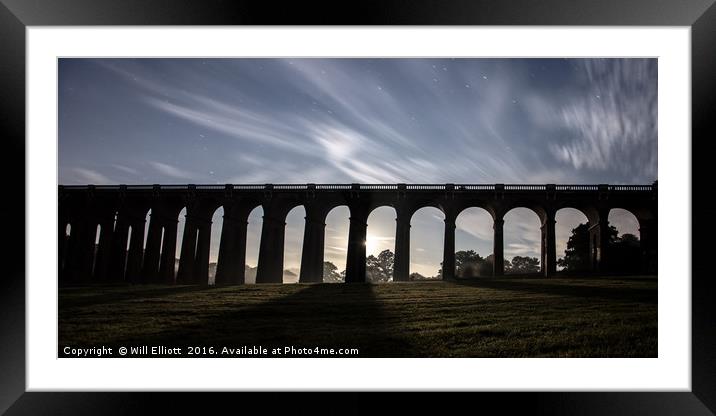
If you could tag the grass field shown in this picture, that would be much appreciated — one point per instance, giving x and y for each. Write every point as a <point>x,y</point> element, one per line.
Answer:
<point>506,317</point>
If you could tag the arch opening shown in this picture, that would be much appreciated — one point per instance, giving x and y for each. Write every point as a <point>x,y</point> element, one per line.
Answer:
<point>293,244</point>
<point>624,254</point>
<point>380,244</point>
<point>427,235</point>
<point>217,223</point>
<point>572,241</point>
<point>474,243</point>
<point>181,222</point>
<point>161,242</point>
<point>65,246</point>
<point>336,244</point>
<point>125,258</point>
<point>95,249</point>
<point>522,240</point>
<point>147,220</point>
<point>253,242</point>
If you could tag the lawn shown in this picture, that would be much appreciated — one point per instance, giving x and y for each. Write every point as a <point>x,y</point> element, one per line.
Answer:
<point>506,317</point>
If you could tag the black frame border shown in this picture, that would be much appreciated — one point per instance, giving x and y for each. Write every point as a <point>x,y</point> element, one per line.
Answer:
<point>15,15</point>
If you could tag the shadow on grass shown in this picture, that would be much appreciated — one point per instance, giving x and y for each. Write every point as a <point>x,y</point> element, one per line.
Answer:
<point>645,295</point>
<point>74,297</point>
<point>315,316</point>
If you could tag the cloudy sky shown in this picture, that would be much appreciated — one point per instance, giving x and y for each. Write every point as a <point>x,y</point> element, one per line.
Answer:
<point>365,120</point>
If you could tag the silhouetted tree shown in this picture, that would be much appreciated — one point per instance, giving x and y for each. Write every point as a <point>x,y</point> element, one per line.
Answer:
<point>524,265</point>
<point>468,263</point>
<point>487,266</point>
<point>576,256</point>
<point>629,239</point>
<point>507,266</point>
<point>380,269</point>
<point>330,273</point>
<point>418,276</point>
<point>624,255</point>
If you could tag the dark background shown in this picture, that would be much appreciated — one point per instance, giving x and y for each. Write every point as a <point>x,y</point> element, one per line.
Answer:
<point>16,14</point>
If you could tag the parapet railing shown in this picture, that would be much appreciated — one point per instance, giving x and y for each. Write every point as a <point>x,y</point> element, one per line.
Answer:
<point>370,187</point>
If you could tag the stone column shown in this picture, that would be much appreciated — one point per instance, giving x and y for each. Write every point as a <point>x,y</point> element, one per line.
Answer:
<point>238,256</point>
<point>150,265</point>
<point>225,265</point>
<point>187,257</point>
<point>167,264</point>
<point>312,254</point>
<point>599,242</point>
<point>61,247</point>
<point>449,247</point>
<point>270,267</point>
<point>355,261</point>
<point>118,255</point>
<point>231,264</point>
<point>549,248</point>
<point>134,256</point>
<point>82,242</point>
<point>498,247</point>
<point>72,258</point>
<point>104,250</point>
<point>648,242</point>
<point>401,266</point>
<point>201,265</point>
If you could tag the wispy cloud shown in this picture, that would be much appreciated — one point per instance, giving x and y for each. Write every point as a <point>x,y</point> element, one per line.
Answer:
<point>126,169</point>
<point>91,176</point>
<point>363,120</point>
<point>476,222</point>
<point>171,171</point>
<point>613,125</point>
<point>240,125</point>
<point>519,249</point>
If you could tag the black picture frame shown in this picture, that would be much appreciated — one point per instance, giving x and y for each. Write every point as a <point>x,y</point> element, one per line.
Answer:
<point>16,15</point>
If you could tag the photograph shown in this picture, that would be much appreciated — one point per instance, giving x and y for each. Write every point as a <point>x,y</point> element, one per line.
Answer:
<point>357,207</point>
<point>262,201</point>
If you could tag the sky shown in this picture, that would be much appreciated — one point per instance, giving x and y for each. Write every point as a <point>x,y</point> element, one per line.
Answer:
<point>383,120</point>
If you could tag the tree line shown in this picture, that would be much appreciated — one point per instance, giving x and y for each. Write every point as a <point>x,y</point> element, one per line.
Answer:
<point>621,254</point>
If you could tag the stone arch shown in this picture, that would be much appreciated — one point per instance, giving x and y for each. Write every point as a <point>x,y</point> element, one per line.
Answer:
<point>625,249</point>
<point>474,231</point>
<point>337,222</point>
<point>522,237</point>
<point>624,219</point>
<point>381,217</point>
<point>427,224</point>
<point>253,242</point>
<point>540,210</point>
<point>295,220</point>
<point>483,206</point>
<point>568,221</point>
<point>380,236</point>
<point>217,224</point>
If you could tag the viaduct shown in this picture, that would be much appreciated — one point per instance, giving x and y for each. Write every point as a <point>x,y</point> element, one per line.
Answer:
<point>111,211</point>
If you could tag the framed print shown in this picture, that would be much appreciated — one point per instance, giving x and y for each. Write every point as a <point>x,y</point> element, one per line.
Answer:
<point>489,192</point>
